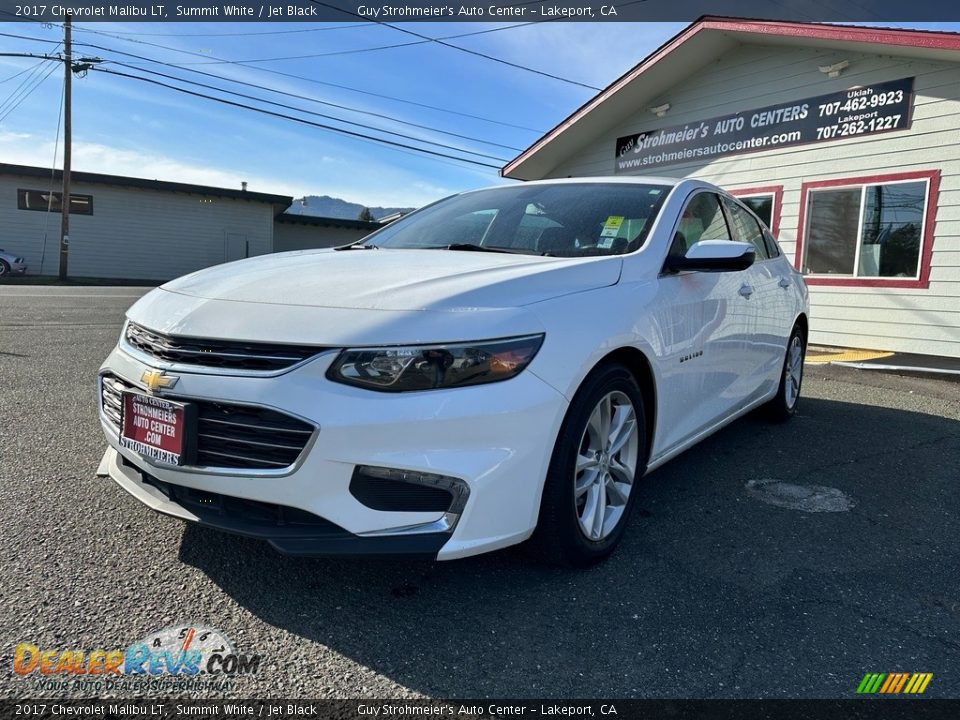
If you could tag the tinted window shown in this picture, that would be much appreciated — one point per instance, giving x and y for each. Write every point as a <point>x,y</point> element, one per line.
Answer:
<point>773,250</point>
<point>565,219</point>
<point>702,219</point>
<point>834,217</point>
<point>762,206</point>
<point>746,228</point>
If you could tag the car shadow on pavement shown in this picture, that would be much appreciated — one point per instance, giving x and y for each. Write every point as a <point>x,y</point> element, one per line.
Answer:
<point>713,592</point>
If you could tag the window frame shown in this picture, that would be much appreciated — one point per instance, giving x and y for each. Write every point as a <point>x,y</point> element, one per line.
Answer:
<point>775,192</point>
<point>922,279</point>
<point>21,205</point>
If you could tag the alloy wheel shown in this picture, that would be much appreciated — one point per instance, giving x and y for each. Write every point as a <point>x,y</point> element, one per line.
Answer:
<point>793,372</point>
<point>606,465</point>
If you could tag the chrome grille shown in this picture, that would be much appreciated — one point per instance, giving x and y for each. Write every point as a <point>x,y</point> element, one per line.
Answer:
<point>226,354</point>
<point>228,435</point>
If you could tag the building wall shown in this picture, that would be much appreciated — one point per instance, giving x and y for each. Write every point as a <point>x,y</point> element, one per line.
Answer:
<point>134,233</point>
<point>290,236</point>
<point>925,320</point>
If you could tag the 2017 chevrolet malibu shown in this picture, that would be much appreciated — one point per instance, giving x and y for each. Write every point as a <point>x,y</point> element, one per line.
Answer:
<point>504,364</point>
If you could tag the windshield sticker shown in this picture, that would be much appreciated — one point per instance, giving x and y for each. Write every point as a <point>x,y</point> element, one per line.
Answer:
<point>612,226</point>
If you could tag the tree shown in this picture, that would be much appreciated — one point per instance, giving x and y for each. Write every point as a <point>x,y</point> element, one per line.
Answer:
<point>365,215</point>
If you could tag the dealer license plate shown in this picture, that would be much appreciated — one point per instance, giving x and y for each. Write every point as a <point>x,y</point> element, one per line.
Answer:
<point>154,427</point>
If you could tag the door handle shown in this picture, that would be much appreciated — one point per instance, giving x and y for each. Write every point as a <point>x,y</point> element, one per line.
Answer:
<point>784,283</point>
<point>746,291</point>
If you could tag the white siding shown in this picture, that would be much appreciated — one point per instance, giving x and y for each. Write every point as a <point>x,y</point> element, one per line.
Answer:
<point>290,236</point>
<point>133,233</point>
<point>752,76</point>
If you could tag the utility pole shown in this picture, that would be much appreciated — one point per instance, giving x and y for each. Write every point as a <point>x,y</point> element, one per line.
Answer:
<point>65,196</point>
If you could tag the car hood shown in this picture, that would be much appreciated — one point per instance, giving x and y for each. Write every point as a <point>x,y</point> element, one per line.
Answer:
<point>387,279</point>
<point>368,297</point>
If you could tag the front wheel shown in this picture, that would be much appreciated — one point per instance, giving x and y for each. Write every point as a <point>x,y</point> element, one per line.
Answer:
<point>4,268</point>
<point>784,403</point>
<point>599,457</point>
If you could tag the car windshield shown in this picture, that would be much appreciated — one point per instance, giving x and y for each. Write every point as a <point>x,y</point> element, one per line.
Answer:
<point>564,220</point>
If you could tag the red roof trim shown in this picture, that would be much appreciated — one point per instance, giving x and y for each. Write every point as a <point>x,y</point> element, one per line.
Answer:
<point>934,40</point>
<point>929,221</point>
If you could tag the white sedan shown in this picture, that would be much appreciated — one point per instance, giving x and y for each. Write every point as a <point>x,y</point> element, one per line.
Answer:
<point>502,365</point>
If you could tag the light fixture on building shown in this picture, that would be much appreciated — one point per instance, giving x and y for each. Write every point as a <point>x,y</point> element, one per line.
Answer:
<point>660,110</point>
<point>835,69</point>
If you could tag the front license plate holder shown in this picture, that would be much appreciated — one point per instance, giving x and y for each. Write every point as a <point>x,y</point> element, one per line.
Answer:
<point>159,429</point>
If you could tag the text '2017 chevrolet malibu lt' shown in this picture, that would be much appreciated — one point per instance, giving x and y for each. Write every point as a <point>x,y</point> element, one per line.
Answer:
<point>504,364</point>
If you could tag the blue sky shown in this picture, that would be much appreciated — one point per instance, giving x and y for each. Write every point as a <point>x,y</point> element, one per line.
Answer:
<point>127,127</point>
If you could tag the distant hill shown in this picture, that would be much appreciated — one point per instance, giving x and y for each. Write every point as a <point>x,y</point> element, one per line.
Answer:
<point>326,206</point>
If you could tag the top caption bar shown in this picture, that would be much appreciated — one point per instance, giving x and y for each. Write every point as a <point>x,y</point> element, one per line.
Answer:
<point>333,11</point>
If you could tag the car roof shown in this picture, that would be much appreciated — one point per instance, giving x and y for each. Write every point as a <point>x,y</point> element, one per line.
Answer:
<point>671,182</point>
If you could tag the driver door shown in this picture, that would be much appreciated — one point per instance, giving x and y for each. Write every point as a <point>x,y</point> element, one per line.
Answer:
<point>702,320</point>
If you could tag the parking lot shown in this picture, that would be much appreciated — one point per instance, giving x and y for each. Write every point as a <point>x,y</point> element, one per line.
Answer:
<point>714,593</point>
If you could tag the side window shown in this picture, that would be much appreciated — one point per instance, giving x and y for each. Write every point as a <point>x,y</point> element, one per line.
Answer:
<point>773,250</point>
<point>746,228</point>
<point>702,219</point>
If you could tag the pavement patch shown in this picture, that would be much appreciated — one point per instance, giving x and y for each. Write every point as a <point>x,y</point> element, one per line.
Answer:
<point>806,498</point>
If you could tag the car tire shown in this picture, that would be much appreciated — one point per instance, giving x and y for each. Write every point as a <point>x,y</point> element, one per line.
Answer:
<point>784,404</point>
<point>4,268</point>
<point>587,501</point>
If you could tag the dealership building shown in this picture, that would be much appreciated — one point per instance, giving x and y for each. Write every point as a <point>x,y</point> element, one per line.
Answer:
<point>137,229</point>
<point>845,140</point>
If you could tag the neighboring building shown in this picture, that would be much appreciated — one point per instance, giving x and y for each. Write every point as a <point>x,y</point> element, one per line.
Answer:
<point>132,228</point>
<point>846,140</point>
<point>299,232</point>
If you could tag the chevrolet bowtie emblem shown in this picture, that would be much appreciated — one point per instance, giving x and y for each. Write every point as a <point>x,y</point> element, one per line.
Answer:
<point>158,379</point>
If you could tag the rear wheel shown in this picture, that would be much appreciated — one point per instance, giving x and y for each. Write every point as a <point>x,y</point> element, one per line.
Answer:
<point>599,457</point>
<point>784,404</point>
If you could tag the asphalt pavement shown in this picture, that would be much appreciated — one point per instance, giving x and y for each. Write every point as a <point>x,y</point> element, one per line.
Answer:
<point>723,586</point>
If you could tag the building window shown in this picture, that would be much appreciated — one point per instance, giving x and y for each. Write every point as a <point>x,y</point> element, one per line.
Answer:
<point>43,200</point>
<point>765,203</point>
<point>872,231</point>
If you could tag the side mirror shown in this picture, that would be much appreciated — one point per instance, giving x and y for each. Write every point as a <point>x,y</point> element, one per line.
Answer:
<point>713,256</point>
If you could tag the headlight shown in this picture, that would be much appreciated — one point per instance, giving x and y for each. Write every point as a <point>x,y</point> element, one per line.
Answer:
<point>425,367</point>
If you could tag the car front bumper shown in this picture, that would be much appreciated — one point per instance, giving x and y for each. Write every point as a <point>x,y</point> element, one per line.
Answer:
<point>497,438</point>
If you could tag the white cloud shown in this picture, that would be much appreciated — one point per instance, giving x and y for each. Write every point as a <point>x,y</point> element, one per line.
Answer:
<point>373,185</point>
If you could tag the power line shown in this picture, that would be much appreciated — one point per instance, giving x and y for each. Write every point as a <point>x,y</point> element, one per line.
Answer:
<point>16,75</point>
<point>302,121</point>
<point>302,97</point>
<point>297,96</point>
<point>477,53</point>
<point>357,51</point>
<point>280,73</point>
<point>17,103</point>
<point>278,92</point>
<point>310,112</point>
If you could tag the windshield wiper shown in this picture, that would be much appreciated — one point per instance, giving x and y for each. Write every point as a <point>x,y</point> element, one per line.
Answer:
<point>358,246</point>
<point>472,247</point>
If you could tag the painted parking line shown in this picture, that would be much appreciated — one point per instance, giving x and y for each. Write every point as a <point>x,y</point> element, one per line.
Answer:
<point>822,358</point>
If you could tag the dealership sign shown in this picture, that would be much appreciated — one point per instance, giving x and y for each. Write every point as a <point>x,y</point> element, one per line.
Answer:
<point>863,110</point>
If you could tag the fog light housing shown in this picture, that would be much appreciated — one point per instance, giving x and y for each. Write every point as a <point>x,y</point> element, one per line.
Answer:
<point>397,490</point>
